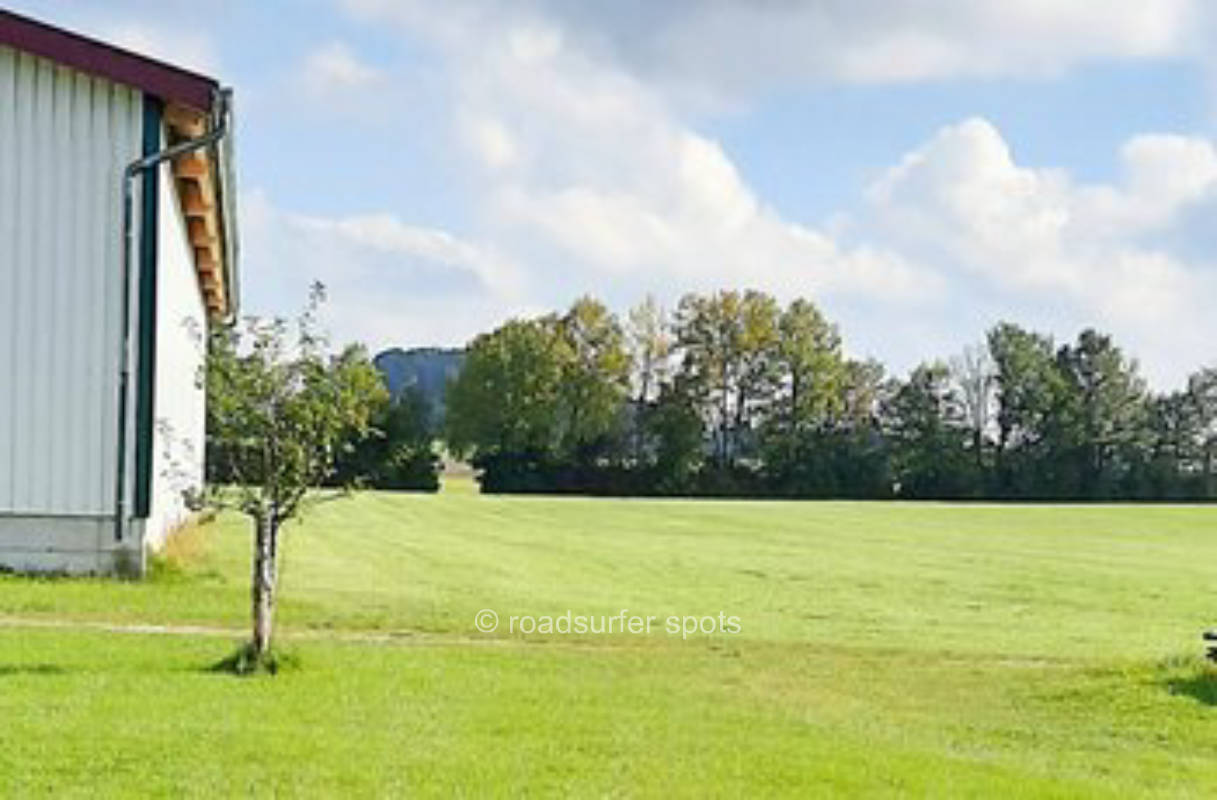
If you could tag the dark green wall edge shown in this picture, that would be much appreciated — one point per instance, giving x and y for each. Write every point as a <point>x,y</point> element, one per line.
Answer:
<point>145,378</point>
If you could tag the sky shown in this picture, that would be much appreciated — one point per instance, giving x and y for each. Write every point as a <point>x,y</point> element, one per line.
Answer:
<point>920,169</point>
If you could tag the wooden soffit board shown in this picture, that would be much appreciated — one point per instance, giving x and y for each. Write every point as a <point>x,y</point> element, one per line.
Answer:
<point>194,175</point>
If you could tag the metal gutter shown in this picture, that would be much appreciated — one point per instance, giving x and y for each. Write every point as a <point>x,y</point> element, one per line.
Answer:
<point>226,188</point>
<point>221,121</point>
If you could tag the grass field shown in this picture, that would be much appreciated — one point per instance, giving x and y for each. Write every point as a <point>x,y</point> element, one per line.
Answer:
<point>885,649</point>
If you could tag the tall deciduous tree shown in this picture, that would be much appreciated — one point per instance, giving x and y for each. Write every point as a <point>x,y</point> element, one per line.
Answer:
<point>540,394</point>
<point>1166,469</point>
<point>399,453</point>
<point>1028,390</point>
<point>707,333</point>
<point>649,341</point>
<point>760,365</point>
<point>1102,420</point>
<point>810,365</point>
<point>973,374</point>
<point>278,411</point>
<point>596,377</point>
<point>808,396</point>
<point>729,343</point>
<point>508,396</point>
<point>1202,400</point>
<point>677,433</point>
<point>862,391</point>
<point>926,423</point>
<point>650,344</point>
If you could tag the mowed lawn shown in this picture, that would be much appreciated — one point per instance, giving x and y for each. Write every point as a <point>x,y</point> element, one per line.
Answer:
<point>885,649</point>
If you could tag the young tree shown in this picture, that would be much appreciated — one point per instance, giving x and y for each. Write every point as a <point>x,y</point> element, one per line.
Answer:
<point>278,411</point>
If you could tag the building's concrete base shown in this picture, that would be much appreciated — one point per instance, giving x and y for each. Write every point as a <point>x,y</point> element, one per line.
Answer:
<point>76,545</point>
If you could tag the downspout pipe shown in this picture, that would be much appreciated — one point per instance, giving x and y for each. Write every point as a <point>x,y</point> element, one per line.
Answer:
<point>226,186</point>
<point>221,121</point>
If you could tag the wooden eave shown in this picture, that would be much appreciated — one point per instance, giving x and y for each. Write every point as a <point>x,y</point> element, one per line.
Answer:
<point>194,176</point>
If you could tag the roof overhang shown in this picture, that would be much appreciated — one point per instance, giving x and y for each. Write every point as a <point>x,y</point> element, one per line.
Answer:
<point>171,84</point>
<point>203,179</point>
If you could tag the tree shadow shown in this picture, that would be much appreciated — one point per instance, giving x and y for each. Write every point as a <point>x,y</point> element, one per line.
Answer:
<point>1200,686</point>
<point>244,663</point>
<point>14,670</point>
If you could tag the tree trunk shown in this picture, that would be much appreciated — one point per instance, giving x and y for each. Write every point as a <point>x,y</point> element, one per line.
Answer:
<point>639,405</point>
<point>999,461</point>
<point>263,586</point>
<point>1208,471</point>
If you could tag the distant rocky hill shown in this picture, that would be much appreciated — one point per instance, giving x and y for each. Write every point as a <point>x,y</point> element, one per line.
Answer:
<point>427,369</point>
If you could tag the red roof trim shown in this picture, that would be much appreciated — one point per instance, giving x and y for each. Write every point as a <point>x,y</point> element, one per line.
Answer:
<point>170,83</point>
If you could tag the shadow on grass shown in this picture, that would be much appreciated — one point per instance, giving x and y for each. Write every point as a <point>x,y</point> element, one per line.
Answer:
<point>1201,687</point>
<point>244,663</point>
<point>1190,676</point>
<point>11,670</point>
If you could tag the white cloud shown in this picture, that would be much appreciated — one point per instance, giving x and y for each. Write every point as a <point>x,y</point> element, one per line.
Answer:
<point>961,201</point>
<point>334,67</point>
<point>588,168</point>
<point>386,234</point>
<point>584,170</point>
<point>389,282</point>
<point>1163,174</point>
<point>490,141</point>
<point>962,196</point>
<point>735,47</point>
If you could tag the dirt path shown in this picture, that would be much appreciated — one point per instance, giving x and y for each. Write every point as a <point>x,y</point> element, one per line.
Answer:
<point>144,629</point>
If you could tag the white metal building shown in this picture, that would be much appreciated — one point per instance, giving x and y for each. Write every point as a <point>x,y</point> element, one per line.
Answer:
<point>115,257</point>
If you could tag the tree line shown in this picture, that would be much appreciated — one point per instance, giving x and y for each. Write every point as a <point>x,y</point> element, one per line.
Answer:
<point>733,394</point>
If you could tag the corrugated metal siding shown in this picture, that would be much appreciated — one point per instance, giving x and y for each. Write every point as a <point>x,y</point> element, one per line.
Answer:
<point>64,140</point>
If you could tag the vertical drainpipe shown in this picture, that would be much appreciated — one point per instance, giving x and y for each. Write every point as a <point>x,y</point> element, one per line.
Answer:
<point>219,128</point>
